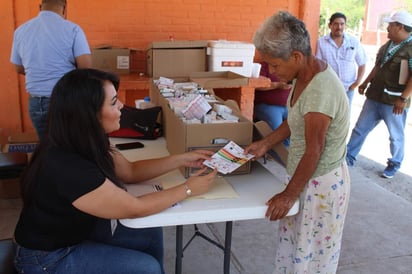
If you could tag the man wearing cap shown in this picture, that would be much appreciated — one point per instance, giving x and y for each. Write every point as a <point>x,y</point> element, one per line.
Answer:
<point>388,94</point>
<point>344,53</point>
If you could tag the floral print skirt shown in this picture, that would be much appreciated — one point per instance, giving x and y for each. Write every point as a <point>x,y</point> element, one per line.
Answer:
<point>310,241</point>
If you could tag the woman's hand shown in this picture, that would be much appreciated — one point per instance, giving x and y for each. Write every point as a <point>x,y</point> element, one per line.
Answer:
<point>280,85</point>
<point>279,205</point>
<point>200,184</point>
<point>195,158</point>
<point>257,148</point>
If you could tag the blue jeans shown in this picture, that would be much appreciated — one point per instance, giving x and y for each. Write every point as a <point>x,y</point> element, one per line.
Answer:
<point>372,113</point>
<point>127,251</point>
<point>273,115</point>
<point>350,93</point>
<point>38,110</point>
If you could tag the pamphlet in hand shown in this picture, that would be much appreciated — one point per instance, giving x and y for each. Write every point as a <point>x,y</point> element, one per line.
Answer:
<point>228,158</point>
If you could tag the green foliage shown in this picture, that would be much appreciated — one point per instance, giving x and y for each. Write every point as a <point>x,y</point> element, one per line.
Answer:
<point>353,9</point>
<point>403,4</point>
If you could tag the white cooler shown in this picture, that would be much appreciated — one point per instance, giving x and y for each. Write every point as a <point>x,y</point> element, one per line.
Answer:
<point>231,56</point>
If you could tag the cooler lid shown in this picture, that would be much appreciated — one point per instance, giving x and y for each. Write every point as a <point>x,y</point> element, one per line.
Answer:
<point>224,44</point>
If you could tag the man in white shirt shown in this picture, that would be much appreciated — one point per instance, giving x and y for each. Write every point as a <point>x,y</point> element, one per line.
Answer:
<point>344,53</point>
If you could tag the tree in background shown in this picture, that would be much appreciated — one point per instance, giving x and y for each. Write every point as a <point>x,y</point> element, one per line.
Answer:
<point>353,9</point>
<point>406,4</point>
<point>399,5</point>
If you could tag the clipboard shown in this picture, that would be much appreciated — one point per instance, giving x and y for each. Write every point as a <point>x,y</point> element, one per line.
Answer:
<point>404,72</point>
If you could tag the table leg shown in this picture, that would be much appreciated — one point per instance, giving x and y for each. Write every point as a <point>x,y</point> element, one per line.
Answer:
<point>179,249</point>
<point>227,248</point>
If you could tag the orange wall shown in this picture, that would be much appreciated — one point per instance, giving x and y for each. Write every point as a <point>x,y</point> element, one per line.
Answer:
<point>135,24</point>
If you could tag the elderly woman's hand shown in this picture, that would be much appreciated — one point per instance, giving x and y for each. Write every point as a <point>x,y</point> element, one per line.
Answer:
<point>257,148</point>
<point>279,205</point>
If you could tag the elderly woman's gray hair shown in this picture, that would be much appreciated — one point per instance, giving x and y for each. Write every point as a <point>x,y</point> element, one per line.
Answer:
<point>281,34</point>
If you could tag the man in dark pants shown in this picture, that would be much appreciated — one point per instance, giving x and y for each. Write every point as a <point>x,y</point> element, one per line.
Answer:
<point>389,92</point>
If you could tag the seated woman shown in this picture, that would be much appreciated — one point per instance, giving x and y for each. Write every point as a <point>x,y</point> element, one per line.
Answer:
<point>73,189</point>
<point>270,103</point>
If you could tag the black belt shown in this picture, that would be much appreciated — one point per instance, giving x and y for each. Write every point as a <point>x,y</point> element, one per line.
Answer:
<point>38,96</point>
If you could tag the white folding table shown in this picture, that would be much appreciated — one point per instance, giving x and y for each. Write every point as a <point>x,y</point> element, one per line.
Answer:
<point>253,191</point>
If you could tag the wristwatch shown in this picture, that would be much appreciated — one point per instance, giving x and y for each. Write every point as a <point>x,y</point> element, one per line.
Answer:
<point>188,191</point>
<point>403,99</point>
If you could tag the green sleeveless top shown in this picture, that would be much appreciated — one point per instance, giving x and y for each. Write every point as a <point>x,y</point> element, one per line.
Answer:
<point>324,94</point>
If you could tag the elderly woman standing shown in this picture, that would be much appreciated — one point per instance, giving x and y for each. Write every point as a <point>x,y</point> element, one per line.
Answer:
<point>318,123</point>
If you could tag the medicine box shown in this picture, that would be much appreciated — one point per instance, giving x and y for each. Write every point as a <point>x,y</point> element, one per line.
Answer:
<point>182,137</point>
<point>231,56</point>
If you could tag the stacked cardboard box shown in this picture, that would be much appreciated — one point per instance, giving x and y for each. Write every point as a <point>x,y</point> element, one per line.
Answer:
<point>115,60</point>
<point>182,137</point>
<point>176,58</point>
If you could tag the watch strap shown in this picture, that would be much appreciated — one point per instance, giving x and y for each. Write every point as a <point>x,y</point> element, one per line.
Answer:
<point>188,191</point>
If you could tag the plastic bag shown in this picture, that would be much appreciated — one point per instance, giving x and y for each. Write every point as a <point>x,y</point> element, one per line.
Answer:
<point>139,123</point>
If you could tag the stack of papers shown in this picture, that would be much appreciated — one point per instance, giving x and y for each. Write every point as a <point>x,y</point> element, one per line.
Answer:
<point>229,158</point>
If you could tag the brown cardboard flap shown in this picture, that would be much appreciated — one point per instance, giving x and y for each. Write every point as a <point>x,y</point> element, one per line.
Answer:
<point>219,79</point>
<point>23,138</point>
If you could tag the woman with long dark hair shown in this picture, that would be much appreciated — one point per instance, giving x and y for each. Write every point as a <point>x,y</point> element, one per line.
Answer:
<point>73,189</point>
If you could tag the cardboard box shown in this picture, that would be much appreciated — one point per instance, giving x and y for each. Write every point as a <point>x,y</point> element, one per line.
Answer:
<point>116,60</point>
<point>182,137</point>
<point>231,56</point>
<point>281,151</point>
<point>208,80</point>
<point>20,142</point>
<point>218,79</point>
<point>176,58</point>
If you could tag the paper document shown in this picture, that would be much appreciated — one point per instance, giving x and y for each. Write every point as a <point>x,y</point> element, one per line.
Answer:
<point>228,159</point>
